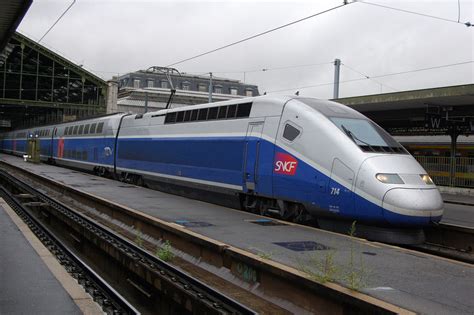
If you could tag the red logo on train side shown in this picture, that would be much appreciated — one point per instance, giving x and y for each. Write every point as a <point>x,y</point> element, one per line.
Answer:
<point>285,164</point>
<point>60,148</point>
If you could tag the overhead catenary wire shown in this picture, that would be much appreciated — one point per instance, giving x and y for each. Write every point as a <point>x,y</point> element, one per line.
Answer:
<point>376,76</point>
<point>259,34</point>
<point>468,24</point>
<point>369,77</point>
<point>459,10</point>
<point>57,20</point>
<point>265,69</point>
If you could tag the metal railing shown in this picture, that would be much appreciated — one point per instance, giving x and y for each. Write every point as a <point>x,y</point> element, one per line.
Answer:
<point>447,171</point>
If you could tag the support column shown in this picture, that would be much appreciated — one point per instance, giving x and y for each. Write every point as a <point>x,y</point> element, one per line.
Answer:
<point>337,69</point>
<point>454,137</point>
<point>210,87</point>
<point>146,102</point>
<point>22,45</point>
<point>111,98</point>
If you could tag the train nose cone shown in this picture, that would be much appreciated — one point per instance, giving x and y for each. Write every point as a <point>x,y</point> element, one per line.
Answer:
<point>413,206</point>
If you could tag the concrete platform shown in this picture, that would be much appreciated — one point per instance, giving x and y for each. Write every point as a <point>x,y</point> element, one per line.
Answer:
<point>27,286</point>
<point>420,282</point>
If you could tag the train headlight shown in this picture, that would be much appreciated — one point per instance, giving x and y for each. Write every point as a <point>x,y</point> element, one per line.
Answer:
<point>427,179</point>
<point>389,178</point>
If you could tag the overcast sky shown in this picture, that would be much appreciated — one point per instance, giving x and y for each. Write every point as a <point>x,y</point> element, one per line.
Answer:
<point>110,37</point>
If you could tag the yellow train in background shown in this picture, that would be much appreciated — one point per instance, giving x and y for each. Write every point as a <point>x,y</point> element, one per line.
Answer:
<point>434,154</point>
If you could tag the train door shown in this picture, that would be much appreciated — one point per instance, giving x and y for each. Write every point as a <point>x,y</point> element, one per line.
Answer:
<point>252,154</point>
<point>341,198</point>
<point>54,131</point>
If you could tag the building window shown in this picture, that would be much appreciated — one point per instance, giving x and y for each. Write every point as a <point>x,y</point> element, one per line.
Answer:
<point>234,91</point>
<point>248,93</point>
<point>218,89</point>
<point>150,83</point>
<point>186,85</point>
<point>136,83</point>
<point>164,84</point>
<point>202,88</point>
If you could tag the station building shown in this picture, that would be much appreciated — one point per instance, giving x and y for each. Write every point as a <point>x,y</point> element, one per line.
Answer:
<point>146,90</point>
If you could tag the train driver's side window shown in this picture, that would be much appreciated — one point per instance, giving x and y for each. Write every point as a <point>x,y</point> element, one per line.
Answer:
<point>290,132</point>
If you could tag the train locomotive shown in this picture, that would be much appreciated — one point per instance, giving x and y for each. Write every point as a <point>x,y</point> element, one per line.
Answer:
<point>290,157</point>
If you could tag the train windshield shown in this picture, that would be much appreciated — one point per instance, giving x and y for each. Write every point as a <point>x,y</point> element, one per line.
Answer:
<point>367,135</point>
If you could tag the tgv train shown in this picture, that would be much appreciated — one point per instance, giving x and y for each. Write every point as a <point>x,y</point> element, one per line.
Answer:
<point>286,156</point>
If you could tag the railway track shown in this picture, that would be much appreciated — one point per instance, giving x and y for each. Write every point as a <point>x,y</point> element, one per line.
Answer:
<point>208,299</point>
<point>102,293</point>
<point>449,241</point>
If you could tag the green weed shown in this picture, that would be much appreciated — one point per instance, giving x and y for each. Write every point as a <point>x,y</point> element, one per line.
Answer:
<point>164,253</point>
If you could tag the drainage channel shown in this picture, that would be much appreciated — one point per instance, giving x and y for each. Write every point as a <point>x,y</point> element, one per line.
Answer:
<point>157,286</point>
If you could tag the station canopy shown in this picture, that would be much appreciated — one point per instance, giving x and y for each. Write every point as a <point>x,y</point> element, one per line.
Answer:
<point>436,111</point>
<point>12,12</point>
<point>39,86</point>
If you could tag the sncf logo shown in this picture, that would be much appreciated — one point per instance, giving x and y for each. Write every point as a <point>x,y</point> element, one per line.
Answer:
<point>285,164</point>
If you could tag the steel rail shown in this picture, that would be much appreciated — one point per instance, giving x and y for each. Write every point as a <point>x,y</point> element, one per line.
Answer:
<point>213,298</point>
<point>103,294</point>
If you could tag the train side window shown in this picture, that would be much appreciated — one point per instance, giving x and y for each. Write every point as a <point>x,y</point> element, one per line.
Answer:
<point>66,131</point>
<point>86,129</point>
<point>74,132</point>
<point>70,130</point>
<point>100,126</point>
<point>194,115</point>
<point>170,118</point>
<point>81,129</point>
<point>187,115</point>
<point>202,114</point>
<point>231,111</point>
<point>222,112</point>
<point>244,110</point>
<point>290,133</point>
<point>180,116</point>
<point>212,113</point>
<point>92,130</point>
